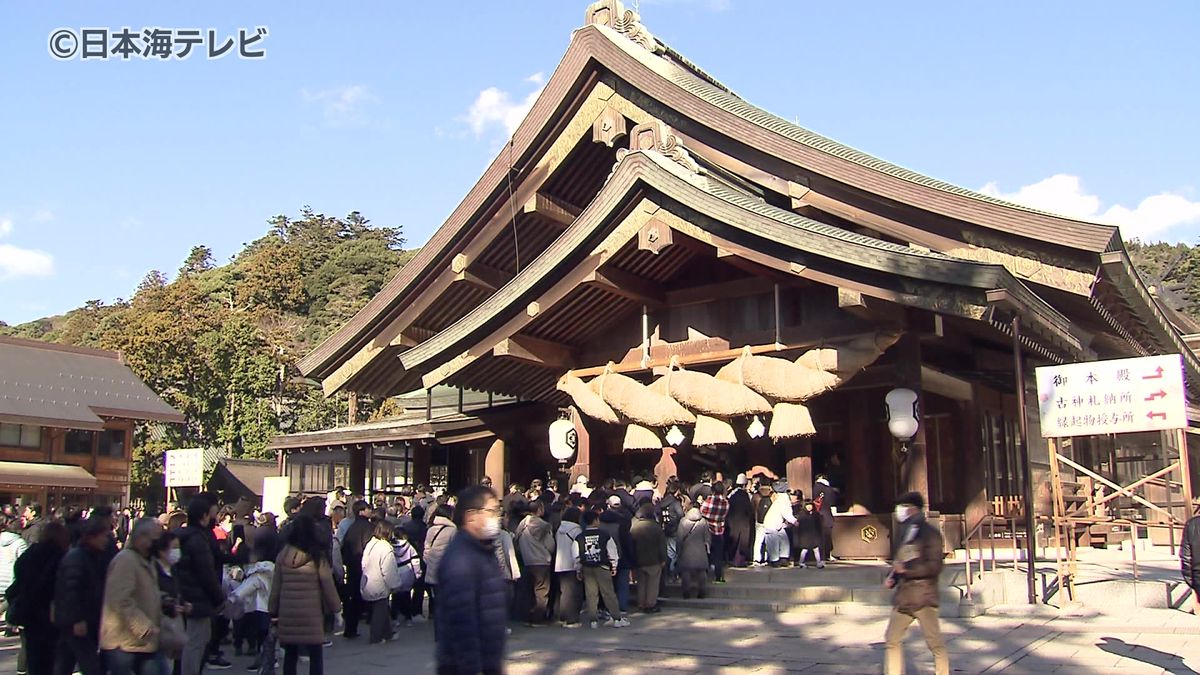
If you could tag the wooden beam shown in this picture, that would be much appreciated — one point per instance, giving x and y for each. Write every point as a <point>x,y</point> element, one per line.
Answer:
<point>552,209</point>
<point>556,293</point>
<point>738,288</point>
<point>477,274</point>
<point>757,268</point>
<point>533,350</point>
<point>630,286</point>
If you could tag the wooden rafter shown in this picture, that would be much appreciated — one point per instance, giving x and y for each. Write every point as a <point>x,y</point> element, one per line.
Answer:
<point>627,285</point>
<point>552,209</point>
<point>534,350</point>
<point>478,274</point>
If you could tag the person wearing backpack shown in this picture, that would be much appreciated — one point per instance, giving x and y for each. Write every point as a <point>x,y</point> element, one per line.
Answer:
<point>694,542</point>
<point>670,512</point>
<point>650,544</point>
<point>380,576</point>
<point>34,575</point>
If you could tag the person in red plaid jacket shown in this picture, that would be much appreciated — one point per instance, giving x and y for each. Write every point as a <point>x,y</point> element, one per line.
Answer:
<point>715,509</point>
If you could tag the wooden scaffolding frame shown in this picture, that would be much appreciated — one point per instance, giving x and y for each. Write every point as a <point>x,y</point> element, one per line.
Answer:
<point>1065,523</point>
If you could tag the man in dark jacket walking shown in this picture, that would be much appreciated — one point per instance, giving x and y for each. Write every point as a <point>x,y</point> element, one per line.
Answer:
<point>472,592</point>
<point>199,584</point>
<point>617,522</point>
<point>1189,557</point>
<point>79,597</point>
<point>650,545</point>
<point>916,567</point>
<point>357,537</point>
<point>34,579</point>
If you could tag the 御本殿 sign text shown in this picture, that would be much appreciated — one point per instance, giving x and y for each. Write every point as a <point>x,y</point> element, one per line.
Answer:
<point>1112,397</point>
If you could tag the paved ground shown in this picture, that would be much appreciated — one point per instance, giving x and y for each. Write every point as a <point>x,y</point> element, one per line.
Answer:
<point>1147,641</point>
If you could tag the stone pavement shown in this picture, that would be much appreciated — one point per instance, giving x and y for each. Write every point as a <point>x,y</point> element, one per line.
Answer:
<point>1145,641</point>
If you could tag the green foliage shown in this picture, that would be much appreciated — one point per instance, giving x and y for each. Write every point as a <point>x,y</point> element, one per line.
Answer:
<point>1173,270</point>
<point>220,343</point>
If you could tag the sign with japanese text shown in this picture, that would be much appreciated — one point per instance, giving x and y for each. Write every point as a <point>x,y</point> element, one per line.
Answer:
<point>184,468</point>
<point>1112,397</point>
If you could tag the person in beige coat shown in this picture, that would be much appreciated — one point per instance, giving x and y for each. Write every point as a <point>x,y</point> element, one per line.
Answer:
<point>132,611</point>
<point>302,594</point>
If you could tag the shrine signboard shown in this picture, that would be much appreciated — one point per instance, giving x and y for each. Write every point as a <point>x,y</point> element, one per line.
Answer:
<point>1112,397</point>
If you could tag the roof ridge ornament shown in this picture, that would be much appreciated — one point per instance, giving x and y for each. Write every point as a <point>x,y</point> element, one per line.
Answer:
<point>656,136</point>
<point>612,13</point>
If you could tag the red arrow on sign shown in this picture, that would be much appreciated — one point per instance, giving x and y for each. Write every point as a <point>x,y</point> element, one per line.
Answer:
<point>1159,415</point>
<point>1156,376</point>
<point>1156,395</point>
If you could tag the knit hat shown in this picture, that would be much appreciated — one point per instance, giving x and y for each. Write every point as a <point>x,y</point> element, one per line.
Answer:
<point>741,479</point>
<point>614,501</point>
<point>780,486</point>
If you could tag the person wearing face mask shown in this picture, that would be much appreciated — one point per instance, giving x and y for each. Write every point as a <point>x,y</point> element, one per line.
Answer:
<point>472,593</point>
<point>132,612</point>
<point>172,636</point>
<point>916,566</point>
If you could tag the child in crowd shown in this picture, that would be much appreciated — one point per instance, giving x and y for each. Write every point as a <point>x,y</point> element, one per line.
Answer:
<point>806,535</point>
<point>251,597</point>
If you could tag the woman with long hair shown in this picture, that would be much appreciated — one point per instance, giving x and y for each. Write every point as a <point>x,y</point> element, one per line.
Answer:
<point>302,593</point>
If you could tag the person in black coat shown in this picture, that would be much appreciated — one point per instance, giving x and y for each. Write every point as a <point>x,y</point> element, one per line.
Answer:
<point>357,538</point>
<point>825,498</point>
<point>472,592</point>
<point>199,582</point>
<point>739,524</point>
<point>79,597</point>
<point>34,576</point>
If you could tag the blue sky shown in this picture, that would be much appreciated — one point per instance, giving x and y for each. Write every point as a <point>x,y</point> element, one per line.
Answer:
<point>110,169</point>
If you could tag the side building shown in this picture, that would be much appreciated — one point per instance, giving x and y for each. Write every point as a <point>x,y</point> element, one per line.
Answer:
<point>67,417</point>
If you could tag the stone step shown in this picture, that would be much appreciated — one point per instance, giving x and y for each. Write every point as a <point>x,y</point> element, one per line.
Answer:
<point>726,607</point>
<point>804,595</point>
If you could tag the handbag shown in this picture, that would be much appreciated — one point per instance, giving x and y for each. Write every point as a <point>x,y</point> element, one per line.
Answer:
<point>172,637</point>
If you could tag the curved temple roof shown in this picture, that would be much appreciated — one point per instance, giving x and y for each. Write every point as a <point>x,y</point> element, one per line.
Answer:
<point>809,242</point>
<point>615,44</point>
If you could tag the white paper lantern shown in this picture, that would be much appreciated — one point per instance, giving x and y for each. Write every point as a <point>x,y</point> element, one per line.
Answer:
<point>903,418</point>
<point>563,440</point>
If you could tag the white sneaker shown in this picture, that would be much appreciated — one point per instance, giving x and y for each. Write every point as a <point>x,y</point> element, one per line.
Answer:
<point>803,566</point>
<point>609,622</point>
<point>821,565</point>
<point>594,624</point>
<point>620,623</point>
<point>420,618</point>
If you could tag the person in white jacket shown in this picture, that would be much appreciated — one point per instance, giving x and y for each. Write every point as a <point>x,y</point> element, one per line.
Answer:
<point>254,595</point>
<point>380,577</point>
<point>570,599</point>
<point>779,516</point>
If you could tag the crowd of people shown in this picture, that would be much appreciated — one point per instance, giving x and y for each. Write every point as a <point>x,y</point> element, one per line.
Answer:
<point>110,591</point>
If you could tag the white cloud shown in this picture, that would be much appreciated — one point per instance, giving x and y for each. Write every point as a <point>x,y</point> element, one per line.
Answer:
<point>1065,194</point>
<point>494,107</point>
<point>342,106</point>
<point>21,263</point>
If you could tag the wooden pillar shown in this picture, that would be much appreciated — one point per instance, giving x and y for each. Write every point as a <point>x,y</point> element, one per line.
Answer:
<point>422,456</point>
<point>494,465</point>
<point>583,449</point>
<point>915,473</point>
<point>799,465</point>
<point>358,471</point>
<point>860,475</point>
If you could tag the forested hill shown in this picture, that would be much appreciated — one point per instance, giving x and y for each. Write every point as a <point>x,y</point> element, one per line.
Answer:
<point>220,343</point>
<point>1173,270</point>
